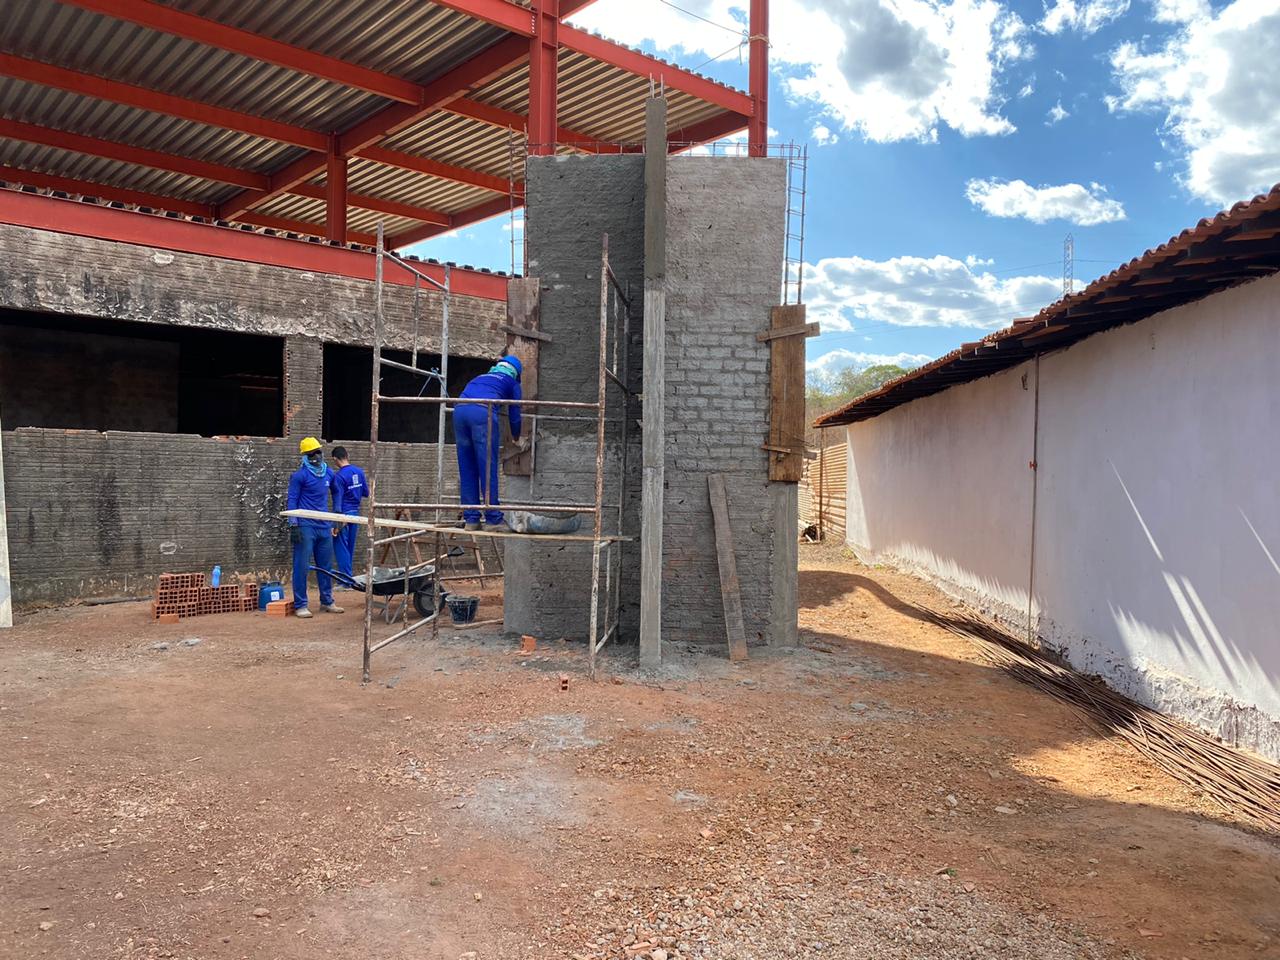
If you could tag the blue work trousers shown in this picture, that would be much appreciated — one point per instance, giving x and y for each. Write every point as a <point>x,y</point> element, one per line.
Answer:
<point>470,424</point>
<point>316,543</point>
<point>344,544</point>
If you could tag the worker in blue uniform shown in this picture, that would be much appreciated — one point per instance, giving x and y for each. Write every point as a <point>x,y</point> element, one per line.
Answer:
<point>349,488</point>
<point>309,489</point>
<point>478,437</point>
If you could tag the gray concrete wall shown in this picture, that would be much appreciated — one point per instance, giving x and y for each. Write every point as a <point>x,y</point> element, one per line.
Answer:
<point>572,201</point>
<point>724,272</point>
<point>59,273</point>
<point>102,514</point>
<point>94,514</point>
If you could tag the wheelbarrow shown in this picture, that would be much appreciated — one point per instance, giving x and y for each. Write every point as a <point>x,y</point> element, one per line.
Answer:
<point>389,584</point>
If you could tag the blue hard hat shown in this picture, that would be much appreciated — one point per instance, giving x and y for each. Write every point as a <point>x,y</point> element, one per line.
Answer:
<point>515,362</point>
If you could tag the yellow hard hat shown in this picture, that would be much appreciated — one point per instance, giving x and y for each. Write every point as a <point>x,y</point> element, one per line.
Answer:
<point>308,444</point>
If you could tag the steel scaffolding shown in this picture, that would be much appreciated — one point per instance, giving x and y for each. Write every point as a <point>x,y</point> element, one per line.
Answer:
<point>613,367</point>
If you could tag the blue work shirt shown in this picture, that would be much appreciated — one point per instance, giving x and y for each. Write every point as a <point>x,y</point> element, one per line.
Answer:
<point>497,386</point>
<point>309,492</point>
<point>349,488</point>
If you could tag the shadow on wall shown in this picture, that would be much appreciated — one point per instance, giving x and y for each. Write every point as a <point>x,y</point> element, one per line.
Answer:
<point>1157,640</point>
<point>1189,627</point>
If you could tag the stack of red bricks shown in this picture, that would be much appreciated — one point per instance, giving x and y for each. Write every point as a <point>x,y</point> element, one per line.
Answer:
<point>185,595</point>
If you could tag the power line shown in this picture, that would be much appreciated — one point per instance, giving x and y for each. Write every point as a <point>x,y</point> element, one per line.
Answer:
<point>736,47</point>
<point>689,13</point>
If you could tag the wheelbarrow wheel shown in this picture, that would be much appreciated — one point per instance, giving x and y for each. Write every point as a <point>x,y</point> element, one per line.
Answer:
<point>423,599</point>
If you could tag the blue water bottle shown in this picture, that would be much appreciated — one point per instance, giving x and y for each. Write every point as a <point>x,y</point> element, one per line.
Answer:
<point>217,575</point>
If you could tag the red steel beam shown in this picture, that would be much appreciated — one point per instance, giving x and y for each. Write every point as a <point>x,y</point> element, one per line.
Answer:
<point>125,153</point>
<point>474,72</point>
<point>335,194</point>
<point>498,117</point>
<point>508,16</point>
<point>758,78</point>
<point>87,220</point>
<point>305,227</point>
<point>202,30</point>
<point>713,128</point>
<point>434,168</point>
<point>705,131</point>
<point>102,191</point>
<point>100,88</point>
<point>483,211</point>
<point>641,64</point>
<point>91,146</point>
<point>156,16</point>
<point>544,54</point>
<point>392,208</point>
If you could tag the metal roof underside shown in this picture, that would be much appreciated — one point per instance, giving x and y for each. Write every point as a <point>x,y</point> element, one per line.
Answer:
<point>411,40</point>
<point>1236,246</point>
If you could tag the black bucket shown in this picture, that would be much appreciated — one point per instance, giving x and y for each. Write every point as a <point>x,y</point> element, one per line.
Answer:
<point>463,609</point>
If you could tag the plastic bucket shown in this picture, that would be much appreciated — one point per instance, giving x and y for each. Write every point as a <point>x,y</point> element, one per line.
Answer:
<point>463,609</point>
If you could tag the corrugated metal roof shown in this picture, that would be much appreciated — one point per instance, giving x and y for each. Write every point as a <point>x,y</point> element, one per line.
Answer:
<point>409,39</point>
<point>1233,247</point>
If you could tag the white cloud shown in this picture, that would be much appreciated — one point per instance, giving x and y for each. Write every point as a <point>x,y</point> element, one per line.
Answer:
<point>1180,11</point>
<point>888,69</point>
<point>1083,206</point>
<point>823,136</point>
<point>1087,16</point>
<point>840,358</point>
<point>1217,84</point>
<point>850,293</point>
<point>1028,88</point>
<point>1056,114</point>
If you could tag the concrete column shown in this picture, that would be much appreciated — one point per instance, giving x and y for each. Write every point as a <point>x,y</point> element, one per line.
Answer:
<point>654,390</point>
<point>784,602</point>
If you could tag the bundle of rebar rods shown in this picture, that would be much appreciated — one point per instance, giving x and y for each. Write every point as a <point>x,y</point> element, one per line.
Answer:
<point>1245,785</point>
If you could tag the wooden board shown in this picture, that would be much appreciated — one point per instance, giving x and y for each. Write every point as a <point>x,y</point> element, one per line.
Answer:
<point>799,330</point>
<point>786,395</point>
<point>523,298</point>
<point>730,593</point>
<point>824,490</point>
<point>385,523</point>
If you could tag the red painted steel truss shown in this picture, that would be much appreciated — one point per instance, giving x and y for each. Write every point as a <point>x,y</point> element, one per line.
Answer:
<point>536,35</point>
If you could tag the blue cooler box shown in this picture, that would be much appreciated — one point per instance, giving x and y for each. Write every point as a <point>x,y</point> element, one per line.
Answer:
<point>269,593</point>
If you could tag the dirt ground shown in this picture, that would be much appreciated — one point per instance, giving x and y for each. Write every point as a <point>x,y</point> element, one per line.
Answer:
<point>878,793</point>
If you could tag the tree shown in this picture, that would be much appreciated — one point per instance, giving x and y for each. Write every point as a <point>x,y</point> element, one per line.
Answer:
<point>825,392</point>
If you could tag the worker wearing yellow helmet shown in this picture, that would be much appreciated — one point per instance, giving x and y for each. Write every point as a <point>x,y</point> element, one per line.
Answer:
<point>309,489</point>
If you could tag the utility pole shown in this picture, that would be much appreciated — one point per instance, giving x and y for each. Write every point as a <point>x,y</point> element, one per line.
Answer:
<point>1068,265</point>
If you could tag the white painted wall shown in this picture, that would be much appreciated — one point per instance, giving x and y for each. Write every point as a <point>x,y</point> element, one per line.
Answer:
<point>1158,508</point>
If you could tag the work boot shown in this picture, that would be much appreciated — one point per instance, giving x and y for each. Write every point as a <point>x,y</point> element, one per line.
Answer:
<point>332,608</point>
<point>303,613</point>
<point>471,525</point>
<point>499,527</point>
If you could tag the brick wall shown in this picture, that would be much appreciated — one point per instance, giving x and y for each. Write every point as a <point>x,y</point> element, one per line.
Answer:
<point>303,387</point>
<point>572,201</point>
<point>724,269</point>
<point>97,514</point>
<point>102,514</point>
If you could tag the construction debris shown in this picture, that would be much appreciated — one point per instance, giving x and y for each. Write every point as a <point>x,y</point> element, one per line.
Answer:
<point>1242,783</point>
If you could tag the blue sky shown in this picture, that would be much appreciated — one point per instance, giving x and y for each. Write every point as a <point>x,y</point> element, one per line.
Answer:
<point>955,143</point>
